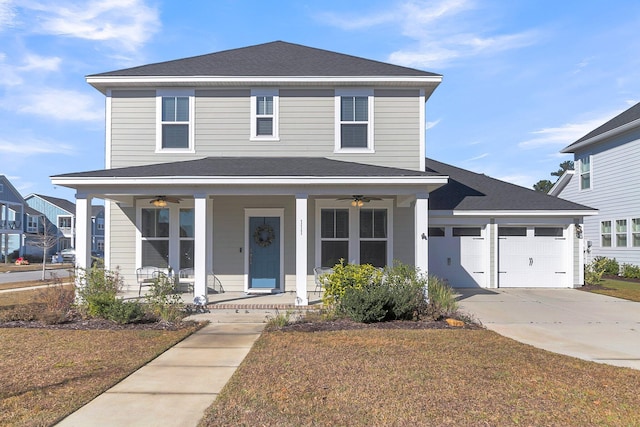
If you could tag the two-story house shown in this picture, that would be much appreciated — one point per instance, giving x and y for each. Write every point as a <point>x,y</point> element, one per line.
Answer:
<point>11,214</point>
<point>60,214</point>
<point>261,163</point>
<point>607,177</point>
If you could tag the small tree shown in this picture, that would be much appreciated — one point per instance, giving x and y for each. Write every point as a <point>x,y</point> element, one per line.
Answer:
<point>567,165</point>
<point>543,186</point>
<point>45,240</point>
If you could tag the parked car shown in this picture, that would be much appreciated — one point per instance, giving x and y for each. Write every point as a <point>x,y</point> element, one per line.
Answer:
<point>68,255</point>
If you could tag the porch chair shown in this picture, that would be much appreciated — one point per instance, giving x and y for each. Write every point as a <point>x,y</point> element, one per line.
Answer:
<point>320,278</point>
<point>145,276</point>
<point>186,277</point>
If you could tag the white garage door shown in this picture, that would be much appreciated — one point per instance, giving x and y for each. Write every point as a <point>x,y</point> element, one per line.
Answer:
<point>458,254</point>
<point>531,257</point>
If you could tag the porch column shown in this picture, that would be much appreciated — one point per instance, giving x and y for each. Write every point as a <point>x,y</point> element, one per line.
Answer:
<point>83,231</point>
<point>200,245</point>
<point>421,216</point>
<point>301,249</point>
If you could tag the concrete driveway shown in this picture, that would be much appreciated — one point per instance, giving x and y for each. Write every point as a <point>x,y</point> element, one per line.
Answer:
<point>567,321</point>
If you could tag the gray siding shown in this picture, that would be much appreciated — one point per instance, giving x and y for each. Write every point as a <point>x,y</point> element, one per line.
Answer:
<point>403,232</point>
<point>7,193</point>
<point>306,125</point>
<point>122,235</point>
<point>615,184</point>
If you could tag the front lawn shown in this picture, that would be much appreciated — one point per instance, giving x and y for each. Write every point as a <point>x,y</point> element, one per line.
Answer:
<point>376,377</point>
<point>618,288</point>
<point>46,374</point>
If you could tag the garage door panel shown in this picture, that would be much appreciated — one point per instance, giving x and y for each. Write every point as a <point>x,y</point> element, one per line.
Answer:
<point>459,260</point>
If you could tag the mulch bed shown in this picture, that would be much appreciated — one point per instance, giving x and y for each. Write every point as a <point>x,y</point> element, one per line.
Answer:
<point>346,324</point>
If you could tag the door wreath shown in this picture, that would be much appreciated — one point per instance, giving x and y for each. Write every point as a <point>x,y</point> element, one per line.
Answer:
<point>264,235</point>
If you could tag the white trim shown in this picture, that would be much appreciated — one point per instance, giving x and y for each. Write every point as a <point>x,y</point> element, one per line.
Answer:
<point>108,205</point>
<point>301,227</point>
<point>275,116</point>
<point>423,129</point>
<point>270,212</point>
<point>338,94</point>
<point>160,93</point>
<point>354,226</point>
<point>608,134</point>
<point>561,183</point>
<point>107,136</point>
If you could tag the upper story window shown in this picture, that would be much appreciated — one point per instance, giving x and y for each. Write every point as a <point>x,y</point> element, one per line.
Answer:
<point>635,232</point>
<point>585,173</point>
<point>354,121</point>
<point>64,222</point>
<point>32,224</point>
<point>100,224</point>
<point>605,234</point>
<point>264,115</point>
<point>621,233</point>
<point>175,121</point>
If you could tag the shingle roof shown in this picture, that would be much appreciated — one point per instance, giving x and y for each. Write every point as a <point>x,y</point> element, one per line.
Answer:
<point>626,117</point>
<point>276,58</point>
<point>61,203</point>
<point>253,167</point>
<point>470,191</point>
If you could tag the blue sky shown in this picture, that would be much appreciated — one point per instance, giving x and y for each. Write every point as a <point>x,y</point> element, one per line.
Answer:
<point>522,78</point>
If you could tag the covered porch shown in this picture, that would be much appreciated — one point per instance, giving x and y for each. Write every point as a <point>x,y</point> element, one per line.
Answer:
<point>261,229</point>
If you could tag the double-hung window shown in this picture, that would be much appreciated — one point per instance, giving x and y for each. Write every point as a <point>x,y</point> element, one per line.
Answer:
<point>32,224</point>
<point>635,232</point>
<point>373,237</point>
<point>585,173</point>
<point>175,121</point>
<point>605,234</point>
<point>264,114</point>
<point>621,233</point>
<point>354,121</point>
<point>334,236</point>
<point>155,237</point>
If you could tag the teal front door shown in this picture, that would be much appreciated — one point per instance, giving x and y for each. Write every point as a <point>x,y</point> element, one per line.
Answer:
<point>264,253</point>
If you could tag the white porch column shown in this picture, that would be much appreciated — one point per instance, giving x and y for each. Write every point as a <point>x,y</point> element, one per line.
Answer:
<point>83,231</point>
<point>200,245</point>
<point>301,249</point>
<point>421,216</point>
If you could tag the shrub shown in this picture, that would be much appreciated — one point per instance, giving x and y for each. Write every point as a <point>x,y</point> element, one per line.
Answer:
<point>125,311</point>
<point>57,303</point>
<point>593,273</point>
<point>630,271</point>
<point>348,276</point>
<point>608,266</point>
<point>442,300</point>
<point>369,304</point>
<point>406,289</point>
<point>163,301</point>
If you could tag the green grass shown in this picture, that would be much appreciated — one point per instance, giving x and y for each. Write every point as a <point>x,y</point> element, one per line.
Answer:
<point>619,289</point>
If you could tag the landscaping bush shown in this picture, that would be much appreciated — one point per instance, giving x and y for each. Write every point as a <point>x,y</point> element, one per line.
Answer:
<point>406,289</point>
<point>368,304</point>
<point>163,301</point>
<point>442,300</point>
<point>608,266</point>
<point>125,311</point>
<point>593,273</point>
<point>58,301</point>
<point>630,271</point>
<point>348,276</point>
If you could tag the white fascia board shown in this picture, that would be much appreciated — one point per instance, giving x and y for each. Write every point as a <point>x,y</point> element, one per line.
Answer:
<point>561,183</point>
<point>531,213</point>
<point>606,135</point>
<point>72,181</point>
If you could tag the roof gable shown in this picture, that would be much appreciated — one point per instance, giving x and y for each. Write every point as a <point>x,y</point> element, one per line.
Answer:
<point>276,58</point>
<point>63,204</point>
<point>627,118</point>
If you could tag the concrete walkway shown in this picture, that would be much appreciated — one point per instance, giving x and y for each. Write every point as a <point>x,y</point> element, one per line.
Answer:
<point>566,321</point>
<point>176,388</point>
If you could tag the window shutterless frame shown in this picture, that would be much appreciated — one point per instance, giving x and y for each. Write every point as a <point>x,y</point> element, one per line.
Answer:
<point>354,112</point>
<point>265,108</point>
<point>175,112</point>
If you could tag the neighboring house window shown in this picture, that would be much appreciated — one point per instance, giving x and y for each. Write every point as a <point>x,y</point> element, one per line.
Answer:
<point>155,237</point>
<point>373,237</point>
<point>621,233</point>
<point>264,114</point>
<point>64,222</point>
<point>354,124</point>
<point>32,224</point>
<point>635,232</point>
<point>64,243</point>
<point>334,236</point>
<point>187,234</point>
<point>585,173</point>
<point>100,245</point>
<point>175,121</point>
<point>605,233</point>
<point>100,224</point>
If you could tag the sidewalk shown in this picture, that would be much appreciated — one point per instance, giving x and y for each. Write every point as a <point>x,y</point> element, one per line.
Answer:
<point>176,388</point>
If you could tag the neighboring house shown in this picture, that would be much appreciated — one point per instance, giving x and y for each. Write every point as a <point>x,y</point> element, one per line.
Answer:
<point>58,212</point>
<point>97,228</point>
<point>262,163</point>
<point>11,214</point>
<point>607,177</point>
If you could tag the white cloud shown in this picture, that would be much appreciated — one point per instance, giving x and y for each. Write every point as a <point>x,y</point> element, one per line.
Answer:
<point>432,124</point>
<point>7,14</point>
<point>481,156</point>
<point>565,134</point>
<point>443,30</point>
<point>521,180</point>
<point>59,104</point>
<point>37,62</point>
<point>25,147</point>
<point>127,23</point>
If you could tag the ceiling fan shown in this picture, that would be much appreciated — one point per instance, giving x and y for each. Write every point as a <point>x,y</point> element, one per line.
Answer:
<point>161,201</point>
<point>358,200</point>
